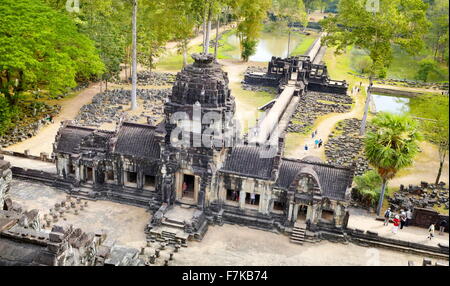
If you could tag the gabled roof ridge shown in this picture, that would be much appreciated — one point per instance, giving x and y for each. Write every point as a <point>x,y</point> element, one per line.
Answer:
<point>129,123</point>
<point>316,163</point>
<point>73,126</point>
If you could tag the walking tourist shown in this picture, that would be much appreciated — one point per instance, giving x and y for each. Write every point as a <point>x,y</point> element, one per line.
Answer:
<point>396,224</point>
<point>442,226</point>
<point>184,187</point>
<point>233,196</point>
<point>313,134</point>
<point>431,231</point>
<point>402,219</point>
<point>387,216</point>
<point>320,143</point>
<point>316,143</point>
<point>408,217</point>
<point>252,198</point>
<point>306,147</point>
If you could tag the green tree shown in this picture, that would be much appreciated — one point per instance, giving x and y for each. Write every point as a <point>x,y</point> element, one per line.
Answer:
<point>250,15</point>
<point>154,31</point>
<point>433,114</point>
<point>394,22</point>
<point>104,22</point>
<point>438,35</point>
<point>368,187</point>
<point>426,67</point>
<point>42,49</point>
<point>397,22</point>
<point>391,147</point>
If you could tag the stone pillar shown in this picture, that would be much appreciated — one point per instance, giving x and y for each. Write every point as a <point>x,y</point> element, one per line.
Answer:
<point>242,199</point>
<point>5,181</point>
<point>295,213</point>
<point>290,211</point>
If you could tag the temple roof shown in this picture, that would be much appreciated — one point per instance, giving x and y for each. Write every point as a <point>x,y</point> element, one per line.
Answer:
<point>204,81</point>
<point>246,160</point>
<point>71,137</point>
<point>131,139</point>
<point>333,180</point>
<point>137,140</point>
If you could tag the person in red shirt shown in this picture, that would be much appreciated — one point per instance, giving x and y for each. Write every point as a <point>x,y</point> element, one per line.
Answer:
<point>396,221</point>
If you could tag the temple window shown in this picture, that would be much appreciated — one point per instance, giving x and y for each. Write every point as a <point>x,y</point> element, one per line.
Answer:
<point>252,199</point>
<point>109,175</point>
<point>131,179</point>
<point>149,181</point>
<point>71,169</point>
<point>327,215</point>
<point>232,195</point>
<point>278,206</point>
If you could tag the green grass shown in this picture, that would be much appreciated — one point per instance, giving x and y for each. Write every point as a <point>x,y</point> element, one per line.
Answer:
<point>174,61</point>
<point>403,66</point>
<point>304,45</point>
<point>253,98</point>
<point>225,48</point>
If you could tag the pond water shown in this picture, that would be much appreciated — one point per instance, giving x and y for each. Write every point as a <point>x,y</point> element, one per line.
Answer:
<point>391,103</point>
<point>269,45</point>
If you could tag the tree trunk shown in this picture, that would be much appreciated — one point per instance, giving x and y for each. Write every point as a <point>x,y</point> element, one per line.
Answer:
<point>106,85</point>
<point>439,172</point>
<point>366,109</point>
<point>442,154</point>
<point>289,41</point>
<point>208,32</point>
<point>185,62</point>
<point>134,75</point>
<point>204,31</point>
<point>216,46</point>
<point>380,201</point>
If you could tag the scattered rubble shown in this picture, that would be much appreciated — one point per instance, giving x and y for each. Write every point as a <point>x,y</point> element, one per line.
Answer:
<point>345,146</point>
<point>423,196</point>
<point>30,124</point>
<point>108,107</point>
<point>315,104</point>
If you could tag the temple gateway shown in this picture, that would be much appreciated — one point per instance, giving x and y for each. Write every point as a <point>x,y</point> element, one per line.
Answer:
<point>189,185</point>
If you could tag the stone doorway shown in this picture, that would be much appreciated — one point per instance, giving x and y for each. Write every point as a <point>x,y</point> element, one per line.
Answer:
<point>89,175</point>
<point>302,212</point>
<point>188,186</point>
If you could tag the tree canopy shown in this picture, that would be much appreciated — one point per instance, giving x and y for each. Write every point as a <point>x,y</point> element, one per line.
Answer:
<point>397,22</point>
<point>42,49</point>
<point>391,146</point>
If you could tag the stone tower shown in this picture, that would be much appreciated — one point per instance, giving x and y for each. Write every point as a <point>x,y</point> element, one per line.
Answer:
<point>199,127</point>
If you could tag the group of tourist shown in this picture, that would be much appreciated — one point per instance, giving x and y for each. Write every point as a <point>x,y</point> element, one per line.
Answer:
<point>404,219</point>
<point>317,143</point>
<point>235,197</point>
<point>400,220</point>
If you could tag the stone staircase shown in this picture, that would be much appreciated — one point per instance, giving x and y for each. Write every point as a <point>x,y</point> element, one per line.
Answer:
<point>298,234</point>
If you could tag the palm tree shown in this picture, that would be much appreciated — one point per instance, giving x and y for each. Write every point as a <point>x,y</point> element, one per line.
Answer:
<point>391,146</point>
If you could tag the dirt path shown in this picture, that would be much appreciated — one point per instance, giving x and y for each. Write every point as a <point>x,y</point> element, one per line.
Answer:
<point>411,89</point>
<point>425,168</point>
<point>324,127</point>
<point>245,113</point>
<point>43,141</point>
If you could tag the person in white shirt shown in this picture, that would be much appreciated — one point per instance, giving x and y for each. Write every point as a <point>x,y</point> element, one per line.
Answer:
<point>252,198</point>
<point>408,217</point>
<point>431,231</point>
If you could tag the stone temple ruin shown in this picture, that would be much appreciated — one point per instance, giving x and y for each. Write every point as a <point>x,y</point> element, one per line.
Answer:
<point>23,241</point>
<point>187,188</point>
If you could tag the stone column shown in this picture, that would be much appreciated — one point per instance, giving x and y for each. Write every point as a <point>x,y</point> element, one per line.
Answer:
<point>242,199</point>
<point>295,213</point>
<point>290,211</point>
